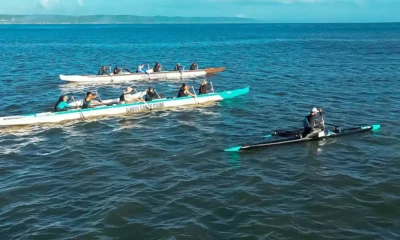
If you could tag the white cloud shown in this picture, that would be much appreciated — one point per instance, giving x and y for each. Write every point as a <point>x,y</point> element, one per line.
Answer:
<point>80,2</point>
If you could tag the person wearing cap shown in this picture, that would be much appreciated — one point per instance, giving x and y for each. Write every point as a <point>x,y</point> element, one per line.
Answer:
<point>313,122</point>
<point>103,71</point>
<point>178,67</point>
<point>127,97</point>
<point>184,91</point>
<point>151,94</point>
<point>203,87</point>
<point>87,101</point>
<point>194,66</point>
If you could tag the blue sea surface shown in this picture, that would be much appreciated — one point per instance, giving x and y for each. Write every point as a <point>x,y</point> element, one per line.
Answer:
<point>163,174</point>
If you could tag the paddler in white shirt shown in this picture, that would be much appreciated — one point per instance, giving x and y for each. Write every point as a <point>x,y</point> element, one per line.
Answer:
<point>127,97</point>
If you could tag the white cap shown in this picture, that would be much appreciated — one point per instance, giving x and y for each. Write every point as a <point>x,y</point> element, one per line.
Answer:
<point>314,109</point>
<point>128,90</point>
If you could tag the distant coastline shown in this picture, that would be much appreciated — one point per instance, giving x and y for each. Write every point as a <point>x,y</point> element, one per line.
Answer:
<point>116,19</point>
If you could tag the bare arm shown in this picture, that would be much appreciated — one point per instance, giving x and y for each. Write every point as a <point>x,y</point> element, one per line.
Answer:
<point>189,93</point>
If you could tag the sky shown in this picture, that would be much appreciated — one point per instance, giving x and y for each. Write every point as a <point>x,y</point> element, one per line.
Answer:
<point>277,11</point>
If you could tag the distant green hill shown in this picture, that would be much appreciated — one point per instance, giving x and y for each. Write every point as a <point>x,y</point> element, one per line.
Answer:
<point>113,19</point>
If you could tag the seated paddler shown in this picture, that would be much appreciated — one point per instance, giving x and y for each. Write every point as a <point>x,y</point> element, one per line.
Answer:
<point>62,104</point>
<point>87,101</point>
<point>103,71</point>
<point>313,123</point>
<point>184,91</point>
<point>151,94</point>
<point>117,70</point>
<point>128,97</point>
<point>204,87</point>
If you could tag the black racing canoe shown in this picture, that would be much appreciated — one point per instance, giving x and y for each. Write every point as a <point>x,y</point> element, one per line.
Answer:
<point>296,139</point>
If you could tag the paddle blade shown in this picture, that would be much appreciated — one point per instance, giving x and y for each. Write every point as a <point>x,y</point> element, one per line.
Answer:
<point>268,136</point>
<point>376,127</point>
<point>234,149</point>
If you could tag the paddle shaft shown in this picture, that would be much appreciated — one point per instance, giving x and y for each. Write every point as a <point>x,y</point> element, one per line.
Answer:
<point>80,112</point>
<point>195,95</point>
<point>157,94</point>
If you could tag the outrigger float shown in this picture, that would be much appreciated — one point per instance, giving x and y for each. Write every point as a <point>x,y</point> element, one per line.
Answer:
<point>117,109</point>
<point>129,76</point>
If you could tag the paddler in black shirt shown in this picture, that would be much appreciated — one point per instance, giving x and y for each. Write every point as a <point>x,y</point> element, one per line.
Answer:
<point>87,101</point>
<point>203,88</point>
<point>116,70</point>
<point>313,122</point>
<point>178,67</point>
<point>103,71</point>
<point>184,91</point>
<point>151,94</point>
<point>157,67</point>
<point>194,66</point>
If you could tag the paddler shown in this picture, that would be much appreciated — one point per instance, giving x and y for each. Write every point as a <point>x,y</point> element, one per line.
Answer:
<point>87,101</point>
<point>127,97</point>
<point>141,69</point>
<point>151,94</point>
<point>116,70</point>
<point>203,87</point>
<point>184,91</point>
<point>194,66</point>
<point>157,67</point>
<point>178,67</point>
<point>313,122</point>
<point>62,104</point>
<point>103,71</point>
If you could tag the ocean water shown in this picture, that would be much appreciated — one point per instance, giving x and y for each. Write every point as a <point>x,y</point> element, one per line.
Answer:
<point>163,174</point>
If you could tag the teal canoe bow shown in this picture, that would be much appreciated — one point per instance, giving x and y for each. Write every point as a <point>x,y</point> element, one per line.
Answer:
<point>296,139</point>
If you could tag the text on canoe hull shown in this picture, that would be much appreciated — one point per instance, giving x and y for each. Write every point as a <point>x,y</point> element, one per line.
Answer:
<point>147,106</point>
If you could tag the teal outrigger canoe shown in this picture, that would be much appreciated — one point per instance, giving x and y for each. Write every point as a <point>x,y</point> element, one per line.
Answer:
<point>116,109</point>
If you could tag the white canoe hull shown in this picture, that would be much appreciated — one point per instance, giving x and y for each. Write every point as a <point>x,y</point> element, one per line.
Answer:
<point>54,117</point>
<point>123,77</point>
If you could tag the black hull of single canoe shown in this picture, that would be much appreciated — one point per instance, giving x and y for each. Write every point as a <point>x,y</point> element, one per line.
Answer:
<point>298,139</point>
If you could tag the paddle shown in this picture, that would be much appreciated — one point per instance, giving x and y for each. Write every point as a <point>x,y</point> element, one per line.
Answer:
<point>212,87</point>
<point>322,117</point>
<point>157,94</point>
<point>332,125</point>
<point>195,96</point>
<point>99,98</point>
<point>79,110</point>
